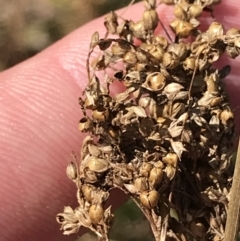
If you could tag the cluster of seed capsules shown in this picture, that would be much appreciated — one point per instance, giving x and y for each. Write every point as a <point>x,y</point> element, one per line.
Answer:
<point>166,139</point>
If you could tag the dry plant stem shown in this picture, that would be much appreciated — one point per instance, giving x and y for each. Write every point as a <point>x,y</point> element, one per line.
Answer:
<point>232,224</point>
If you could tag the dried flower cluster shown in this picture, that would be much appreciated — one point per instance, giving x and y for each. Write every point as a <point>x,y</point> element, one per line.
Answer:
<point>166,140</point>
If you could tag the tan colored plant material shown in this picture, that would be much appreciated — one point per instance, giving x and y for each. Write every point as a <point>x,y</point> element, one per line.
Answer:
<point>167,139</point>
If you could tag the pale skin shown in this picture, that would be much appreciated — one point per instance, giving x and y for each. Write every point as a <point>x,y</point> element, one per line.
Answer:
<point>39,113</point>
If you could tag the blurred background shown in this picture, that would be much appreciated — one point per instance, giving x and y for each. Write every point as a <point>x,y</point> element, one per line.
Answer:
<point>29,26</point>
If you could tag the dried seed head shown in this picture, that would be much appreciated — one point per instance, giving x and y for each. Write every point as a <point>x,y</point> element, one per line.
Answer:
<point>170,171</point>
<point>96,213</point>
<point>160,40</point>
<point>90,176</point>
<point>145,169</point>
<point>181,28</point>
<point>100,114</point>
<point>156,176</point>
<point>232,32</point>
<point>96,164</point>
<point>157,52</point>
<point>130,58</point>
<point>85,124</point>
<point>111,23</point>
<point>189,63</point>
<point>149,199</point>
<point>150,19</point>
<point>179,12</point>
<point>170,60</point>
<point>171,159</point>
<point>226,116</point>
<point>138,29</point>
<point>88,191</point>
<point>140,184</point>
<point>195,10</point>
<point>117,50</point>
<point>155,81</point>
<point>215,30</point>
<point>72,171</point>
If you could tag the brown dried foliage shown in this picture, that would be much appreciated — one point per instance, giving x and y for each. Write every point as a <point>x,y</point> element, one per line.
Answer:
<point>166,140</point>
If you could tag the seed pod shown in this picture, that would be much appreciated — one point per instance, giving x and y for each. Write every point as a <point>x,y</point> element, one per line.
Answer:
<point>130,58</point>
<point>232,32</point>
<point>118,50</point>
<point>138,29</point>
<point>93,150</point>
<point>177,109</point>
<point>215,30</point>
<point>96,213</point>
<point>88,191</point>
<point>140,184</point>
<point>181,28</point>
<point>71,171</point>
<point>156,176</point>
<point>150,19</point>
<point>85,124</point>
<point>160,40</point>
<point>100,114</point>
<point>145,169</point>
<point>170,171</point>
<point>90,176</point>
<point>149,199</point>
<point>96,164</point>
<point>179,12</point>
<point>157,52</point>
<point>111,22</point>
<point>225,116</point>
<point>171,159</point>
<point>170,60</point>
<point>155,81</point>
<point>189,63</point>
<point>195,10</point>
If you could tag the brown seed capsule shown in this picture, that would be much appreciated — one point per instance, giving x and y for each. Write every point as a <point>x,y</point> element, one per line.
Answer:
<point>118,50</point>
<point>100,114</point>
<point>232,32</point>
<point>72,171</point>
<point>179,12</point>
<point>111,22</point>
<point>138,29</point>
<point>96,213</point>
<point>155,81</point>
<point>225,116</point>
<point>130,58</point>
<point>88,191</point>
<point>140,184</point>
<point>189,63</point>
<point>145,169</point>
<point>171,159</point>
<point>149,199</point>
<point>157,52</point>
<point>181,28</point>
<point>160,40</point>
<point>170,171</point>
<point>156,176</point>
<point>150,19</point>
<point>215,30</point>
<point>170,60</point>
<point>85,124</point>
<point>195,10</point>
<point>96,164</point>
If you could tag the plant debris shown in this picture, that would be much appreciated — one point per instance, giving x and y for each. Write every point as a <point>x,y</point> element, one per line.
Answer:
<point>167,139</point>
